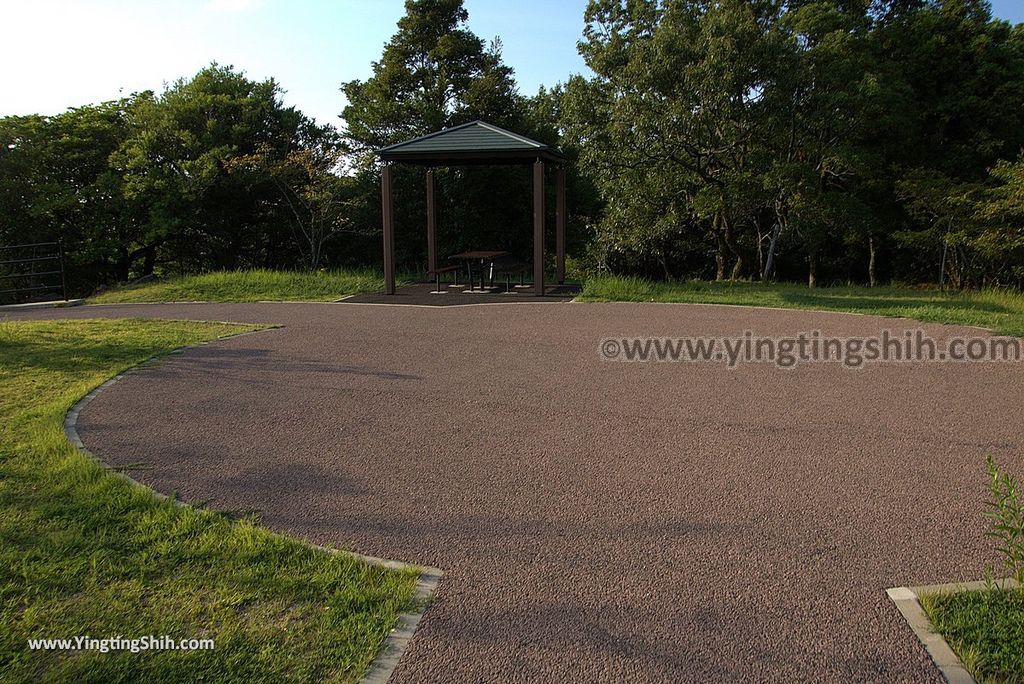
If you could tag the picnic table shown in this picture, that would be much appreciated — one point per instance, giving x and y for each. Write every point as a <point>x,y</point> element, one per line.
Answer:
<point>481,258</point>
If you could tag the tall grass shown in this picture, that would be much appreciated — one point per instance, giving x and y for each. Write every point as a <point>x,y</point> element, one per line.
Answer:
<point>999,310</point>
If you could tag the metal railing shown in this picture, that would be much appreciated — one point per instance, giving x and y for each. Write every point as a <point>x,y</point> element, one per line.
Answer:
<point>32,271</point>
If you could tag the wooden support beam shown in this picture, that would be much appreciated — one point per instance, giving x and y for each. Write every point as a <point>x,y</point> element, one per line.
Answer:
<point>538,228</point>
<point>560,228</point>
<point>431,224</point>
<point>388,214</point>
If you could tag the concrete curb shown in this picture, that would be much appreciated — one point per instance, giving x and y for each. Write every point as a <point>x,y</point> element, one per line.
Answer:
<point>908,603</point>
<point>94,305</point>
<point>383,666</point>
<point>390,654</point>
<point>56,304</point>
<point>450,306</point>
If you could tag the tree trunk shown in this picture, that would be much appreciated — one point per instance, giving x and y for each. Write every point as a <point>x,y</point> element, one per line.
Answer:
<point>737,268</point>
<point>872,262</point>
<point>663,262</point>
<point>123,267</point>
<point>942,266</point>
<point>812,269</point>
<point>125,262</point>
<point>760,250</point>
<point>719,257</point>
<point>150,261</point>
<point>314,252</point>
<point>727,238</point>
<point>769,264</point>
<point>953,268</point>
<point>780,222</point>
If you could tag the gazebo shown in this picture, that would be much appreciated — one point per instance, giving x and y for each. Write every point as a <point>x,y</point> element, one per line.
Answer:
<point>475,143</point>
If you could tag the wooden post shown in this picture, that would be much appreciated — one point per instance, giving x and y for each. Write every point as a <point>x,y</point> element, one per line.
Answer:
<point>388,214</point>
<point>431,224</point>
<point>538,228</point>
<point>560,228</point>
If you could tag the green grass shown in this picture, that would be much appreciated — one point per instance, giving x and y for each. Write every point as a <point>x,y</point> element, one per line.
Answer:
<point>249,286</point>
<point>999,311</point>
<point>985,628</point>
<point>83,552</point>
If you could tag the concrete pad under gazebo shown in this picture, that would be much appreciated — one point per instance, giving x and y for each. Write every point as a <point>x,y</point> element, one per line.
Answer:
<point>475,143</point>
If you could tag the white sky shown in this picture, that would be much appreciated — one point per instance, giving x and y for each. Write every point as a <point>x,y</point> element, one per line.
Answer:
<point>61,53</point>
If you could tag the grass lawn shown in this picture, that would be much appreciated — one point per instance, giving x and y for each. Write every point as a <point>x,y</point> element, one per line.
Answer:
<point>82,552</point>
<point>249,286</point>
<point>1002,312</point>
<point>985,628</point>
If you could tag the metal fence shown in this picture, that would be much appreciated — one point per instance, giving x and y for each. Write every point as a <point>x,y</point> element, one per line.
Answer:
<point>32,272</point>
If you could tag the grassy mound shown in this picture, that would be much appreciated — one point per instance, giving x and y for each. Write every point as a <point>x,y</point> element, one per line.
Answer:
<point>249,286</point>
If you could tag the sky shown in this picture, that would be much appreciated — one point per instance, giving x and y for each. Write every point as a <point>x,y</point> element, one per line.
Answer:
<point>63,53</point>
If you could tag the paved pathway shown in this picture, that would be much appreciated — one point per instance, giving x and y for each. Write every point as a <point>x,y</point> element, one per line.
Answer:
<point>596,521</point>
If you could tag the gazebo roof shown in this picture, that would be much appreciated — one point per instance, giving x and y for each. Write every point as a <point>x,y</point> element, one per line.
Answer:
<point>476,142</point>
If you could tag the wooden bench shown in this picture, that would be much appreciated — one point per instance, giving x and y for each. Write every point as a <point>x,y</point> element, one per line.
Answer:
<point>508,267</point>
<point>455,268</point>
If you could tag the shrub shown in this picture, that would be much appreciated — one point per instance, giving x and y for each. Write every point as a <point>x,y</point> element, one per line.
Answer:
<point>1007,516</point>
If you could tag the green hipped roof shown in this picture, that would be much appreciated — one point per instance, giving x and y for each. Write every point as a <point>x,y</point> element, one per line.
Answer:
<point>474,141</point>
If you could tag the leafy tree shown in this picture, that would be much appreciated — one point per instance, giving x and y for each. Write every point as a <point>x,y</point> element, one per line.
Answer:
<point>175,165</point>
<point>56,183</point>
<point>977,225</point>
<point>1003,210</point>
<point>1002,214</point>
<point>672,119</point>
<point>317,197</point>
<point>833,105</point>
<point>944,224</point>
<point>803,131</point>
<point>434,73</point>
<point>23,154</point>
<point>965,75</point>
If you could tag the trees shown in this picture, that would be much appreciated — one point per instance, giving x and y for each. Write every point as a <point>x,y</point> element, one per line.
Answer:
<point>175,165</point>
<point>159,180</point>
<point>965,76</point>
<point>23,154</point>
<point>834,107</point>
<point>56,183</point>
<point>671,123</point>
<point>978,225</point>
<point>316,196</point>
<point>791,134</point>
